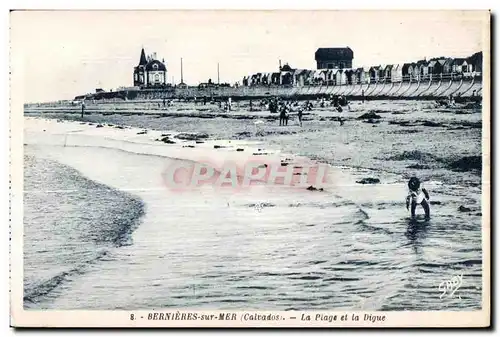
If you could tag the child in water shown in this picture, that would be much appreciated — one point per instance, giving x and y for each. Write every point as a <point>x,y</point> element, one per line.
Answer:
<point>417,195</point>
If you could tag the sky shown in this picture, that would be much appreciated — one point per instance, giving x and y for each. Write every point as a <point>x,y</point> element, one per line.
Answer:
<point>61,54</point>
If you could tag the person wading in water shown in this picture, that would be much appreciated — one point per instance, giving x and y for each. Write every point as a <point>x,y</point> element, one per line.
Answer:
<point>417,195</point>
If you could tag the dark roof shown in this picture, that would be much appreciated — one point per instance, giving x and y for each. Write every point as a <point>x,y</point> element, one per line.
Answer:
<point>459,60</point>
<point>286,67</point>
<point>406,66</point>
<point>334,54</point>
<point>476,57</point>
<point>150,66</point>
<point>143,61</point>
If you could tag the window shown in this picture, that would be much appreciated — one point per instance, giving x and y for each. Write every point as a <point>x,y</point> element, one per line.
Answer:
<point>155,66</point>
<point>157,77</point>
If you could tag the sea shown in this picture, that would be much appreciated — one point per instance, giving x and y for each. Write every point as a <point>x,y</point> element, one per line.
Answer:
<point>103,232</point>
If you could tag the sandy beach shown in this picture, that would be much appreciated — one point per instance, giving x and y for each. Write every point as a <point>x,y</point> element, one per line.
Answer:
<point>299,249</point>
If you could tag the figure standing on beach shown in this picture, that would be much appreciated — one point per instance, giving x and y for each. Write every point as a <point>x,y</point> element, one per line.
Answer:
<point>273,106</point>
<point>300,116</point>
<point>363,95</point>
<point>451,100</point>
<point>287,113</point>
<point>417,195</point>
<point>282,114</point>
<point>251,105</point>
<point>83,107</point>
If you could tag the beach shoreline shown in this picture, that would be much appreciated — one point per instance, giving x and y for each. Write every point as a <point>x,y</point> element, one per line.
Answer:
<point>190,232</point>
<point>425,133</point>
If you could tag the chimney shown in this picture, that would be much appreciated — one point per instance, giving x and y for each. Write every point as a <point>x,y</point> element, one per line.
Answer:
<point>280,65</point>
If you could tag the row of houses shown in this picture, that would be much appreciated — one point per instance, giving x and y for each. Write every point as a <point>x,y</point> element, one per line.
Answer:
<point>424,70</point>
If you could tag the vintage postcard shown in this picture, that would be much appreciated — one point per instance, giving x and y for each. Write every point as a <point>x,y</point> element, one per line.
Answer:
<point>250,168</point>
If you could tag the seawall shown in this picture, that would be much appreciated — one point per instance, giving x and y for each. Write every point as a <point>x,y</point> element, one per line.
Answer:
<point>467,89</point>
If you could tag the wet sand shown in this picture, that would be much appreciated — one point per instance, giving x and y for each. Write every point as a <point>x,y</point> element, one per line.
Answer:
<point>350,246</point>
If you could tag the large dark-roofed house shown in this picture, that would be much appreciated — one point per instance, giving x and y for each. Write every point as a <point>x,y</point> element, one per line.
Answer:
<point>330,58</point>
<point>150,72</point>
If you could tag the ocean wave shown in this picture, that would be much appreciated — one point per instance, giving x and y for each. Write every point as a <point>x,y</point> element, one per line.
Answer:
<point>71,227</point>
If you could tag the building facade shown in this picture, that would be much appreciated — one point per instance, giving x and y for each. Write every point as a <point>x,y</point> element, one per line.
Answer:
<point>334,58</point>
<point>150,73</point>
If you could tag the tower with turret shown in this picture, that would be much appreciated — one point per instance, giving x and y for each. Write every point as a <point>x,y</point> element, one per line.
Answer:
<point>150,72</point>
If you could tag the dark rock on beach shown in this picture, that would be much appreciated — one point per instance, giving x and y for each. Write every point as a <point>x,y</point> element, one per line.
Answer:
<point>370,115</point>
<point>467,164</point>
<point>142,132</point>
<point>239,150</point>
<point>243,134</point>
<point>192,136</point>
<point>368,181</point>
<point>99,126</point>
<point>473,125</point>
<point>404,131</point>
<point>472,105</point>
<point>431,124</point>
<point>312,188</point>
<point>418,167</point>
<point>464,209</point>
<point>401,123</point>
<point>413,155</point>
<point>166,140</point>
